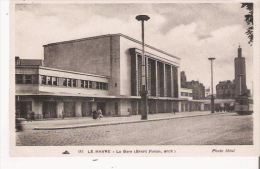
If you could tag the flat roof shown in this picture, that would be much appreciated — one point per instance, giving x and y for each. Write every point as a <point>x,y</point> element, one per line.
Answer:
<point>59,70</point>
<point>110,35</point>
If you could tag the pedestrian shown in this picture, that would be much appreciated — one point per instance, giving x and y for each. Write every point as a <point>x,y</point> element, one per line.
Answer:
<point>32,116</point>
<point>28,116</point>
<point>174,110</point>
<point>94,114</point>
<point>99,114</point>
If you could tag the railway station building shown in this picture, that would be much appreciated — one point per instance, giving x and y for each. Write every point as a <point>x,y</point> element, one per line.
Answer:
<point>103,72</point>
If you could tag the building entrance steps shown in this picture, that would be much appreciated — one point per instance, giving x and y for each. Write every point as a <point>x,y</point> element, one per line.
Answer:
<point>70,123</point>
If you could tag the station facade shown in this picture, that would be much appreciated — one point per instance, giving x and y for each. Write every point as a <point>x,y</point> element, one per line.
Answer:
<point>103,72</point>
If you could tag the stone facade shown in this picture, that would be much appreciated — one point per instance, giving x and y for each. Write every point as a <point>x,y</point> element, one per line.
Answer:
<point>226,90</point>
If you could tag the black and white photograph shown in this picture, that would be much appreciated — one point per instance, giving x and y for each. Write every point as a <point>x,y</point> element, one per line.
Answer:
<point>134,79</point>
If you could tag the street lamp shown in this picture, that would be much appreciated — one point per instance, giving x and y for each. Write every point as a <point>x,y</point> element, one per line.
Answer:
<point>212,97</point>
<point>143,92</point>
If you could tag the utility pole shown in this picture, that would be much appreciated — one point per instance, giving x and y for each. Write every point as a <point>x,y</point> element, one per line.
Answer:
<point>212,97</point>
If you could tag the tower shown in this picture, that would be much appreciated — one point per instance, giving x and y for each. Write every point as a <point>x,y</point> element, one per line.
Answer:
<point>240,74</point>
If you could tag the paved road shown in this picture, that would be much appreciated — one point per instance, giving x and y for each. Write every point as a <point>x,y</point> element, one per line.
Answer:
<point>222,129</point>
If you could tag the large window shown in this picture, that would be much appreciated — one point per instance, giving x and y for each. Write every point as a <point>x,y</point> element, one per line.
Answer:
<point>82,83</point>
<point>35,79</point>
<point>74,82</point>
<point>69,82</point>
<point>55,81</point>
<point>28,79</point>
<point>43,79</point>
<point>90,84</point>
<point>101,85</point>
<point>19,79</point>
<point>49,82</point>
<point>65,81</point>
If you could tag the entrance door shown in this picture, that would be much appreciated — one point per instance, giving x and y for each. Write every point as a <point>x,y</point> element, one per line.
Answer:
<point>116,108</point>
<point>69,109</point>
<point>86,109</point>
<point>49,110</point>
<point>23,108</point>
<point>102,107</point>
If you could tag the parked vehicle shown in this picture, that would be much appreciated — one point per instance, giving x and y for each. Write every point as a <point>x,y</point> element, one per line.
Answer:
<point>244,105</point>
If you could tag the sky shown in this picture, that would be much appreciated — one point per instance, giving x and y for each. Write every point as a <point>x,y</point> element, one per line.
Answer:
<point>191,31</point>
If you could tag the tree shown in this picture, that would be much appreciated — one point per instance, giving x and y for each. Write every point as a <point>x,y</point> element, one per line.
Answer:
<point>249,20</point>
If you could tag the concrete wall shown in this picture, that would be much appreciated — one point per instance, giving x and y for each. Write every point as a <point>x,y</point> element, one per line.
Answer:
<point>114,82</point>
<point>125,106</point>
<point>26,88</point>
<point>125,68</point>
<point>90,55</point>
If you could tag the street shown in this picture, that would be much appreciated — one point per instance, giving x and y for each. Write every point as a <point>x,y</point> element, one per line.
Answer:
<point>219,129</point>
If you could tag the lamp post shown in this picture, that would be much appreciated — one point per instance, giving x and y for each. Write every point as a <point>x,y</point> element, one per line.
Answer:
<point>212,97</point>
<point>143,92</point>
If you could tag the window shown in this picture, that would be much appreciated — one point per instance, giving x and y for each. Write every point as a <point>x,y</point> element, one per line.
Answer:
<point>86,84</point>
<point>55,81</point>
<point>105,86</point>
<point>69,82</point>
<point>43,79</point>
<point>19,79</point>
<point>82,83</point>
<point>97,85</point>
<point>49,82</point>
<point>90,84</point>
<point>35,79</point>
<point>74,84</point>
<point>65,81</point>
<point>28,79</point>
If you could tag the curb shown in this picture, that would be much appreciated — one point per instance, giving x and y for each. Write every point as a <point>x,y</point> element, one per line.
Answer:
<point>122,122</point>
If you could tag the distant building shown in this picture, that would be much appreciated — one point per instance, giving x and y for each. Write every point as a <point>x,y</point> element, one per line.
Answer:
<point>198,89</point>
<point>207,92</point>
<point>183,79</point>
<point>226,90</point>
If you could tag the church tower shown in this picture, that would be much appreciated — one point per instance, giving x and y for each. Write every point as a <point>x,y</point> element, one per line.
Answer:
<point>240,74</point>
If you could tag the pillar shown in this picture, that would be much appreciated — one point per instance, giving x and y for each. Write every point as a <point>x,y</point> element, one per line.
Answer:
<point>156,79</point>
<point>202,106</point>
<point>40,79</point>
<point>171,81</point>
<point>164,81</point>
<point>179,82</point>
<point>37,108</point>
<point>94,105</point>
<point>136,75</point>
<point>59,108</point>
<point>78,109</point>
<point>179,106</point>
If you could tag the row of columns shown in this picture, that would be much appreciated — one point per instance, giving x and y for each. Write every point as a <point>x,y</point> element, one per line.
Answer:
<point>164,78</point>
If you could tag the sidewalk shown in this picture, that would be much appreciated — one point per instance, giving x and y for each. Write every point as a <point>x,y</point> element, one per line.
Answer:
<point>80,122</point>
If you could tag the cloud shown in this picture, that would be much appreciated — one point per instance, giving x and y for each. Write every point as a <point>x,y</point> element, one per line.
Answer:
<point>184,30</point>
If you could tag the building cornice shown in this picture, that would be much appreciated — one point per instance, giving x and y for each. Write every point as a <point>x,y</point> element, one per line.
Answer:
<point>111,35</point>
<point>60,70</point>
